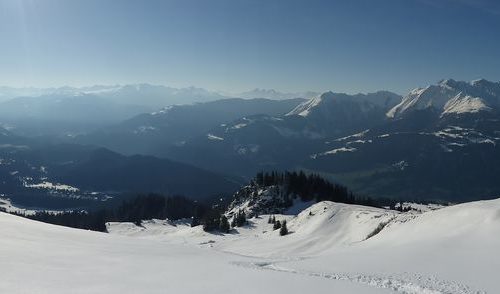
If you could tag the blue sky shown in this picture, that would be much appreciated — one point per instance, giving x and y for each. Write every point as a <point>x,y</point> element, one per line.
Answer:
<point>235,45</point>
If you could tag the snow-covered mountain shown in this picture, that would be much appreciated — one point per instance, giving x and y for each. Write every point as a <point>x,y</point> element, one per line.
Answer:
<point>439,137</point>
<point>331,247</point>
<point>451,97</point>
<point>153,96</point>
<point>330,102</point>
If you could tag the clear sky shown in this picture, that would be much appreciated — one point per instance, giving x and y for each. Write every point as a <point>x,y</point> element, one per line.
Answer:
<point>236,45</point>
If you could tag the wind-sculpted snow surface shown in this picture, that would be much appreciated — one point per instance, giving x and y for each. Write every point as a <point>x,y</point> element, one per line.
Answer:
<point>444,251</point>
<point>404,283</point>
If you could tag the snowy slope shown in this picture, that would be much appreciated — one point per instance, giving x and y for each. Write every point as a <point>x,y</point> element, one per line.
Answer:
<point>448,250</point>
<point>304,108</point>
<point>316,230</point>
<point>452,250</point>
<point>41,258</point>
<point>465,103</point>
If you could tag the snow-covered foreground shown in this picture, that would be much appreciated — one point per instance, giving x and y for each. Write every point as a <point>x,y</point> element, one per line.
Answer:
<point>41,258</point>
<point>451,250</point>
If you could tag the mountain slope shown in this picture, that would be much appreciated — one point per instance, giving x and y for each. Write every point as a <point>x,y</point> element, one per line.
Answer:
<point>153,133</point>
<point>104,170</point>
<point>63,115</point>
<point>68,176</point>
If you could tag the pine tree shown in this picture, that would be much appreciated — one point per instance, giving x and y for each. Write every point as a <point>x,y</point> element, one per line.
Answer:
<point>211,221</point>
<point>260,178</point>
<point>224,224</point>
<point>241,218</point>
<point>283,229</point>
<point>277,225</point>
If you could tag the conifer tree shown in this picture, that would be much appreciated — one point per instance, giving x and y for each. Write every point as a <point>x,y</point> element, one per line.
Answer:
<point>224,224</point>
<point>283,229</point>
<point>277,225</point>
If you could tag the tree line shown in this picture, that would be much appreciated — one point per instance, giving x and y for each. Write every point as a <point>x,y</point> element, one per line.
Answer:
<point>141,207</point>
<point>210,215</point>
<point>310,187</point>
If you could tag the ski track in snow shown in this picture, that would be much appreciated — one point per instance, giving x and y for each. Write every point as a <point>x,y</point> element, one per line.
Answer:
<point>405,283</point>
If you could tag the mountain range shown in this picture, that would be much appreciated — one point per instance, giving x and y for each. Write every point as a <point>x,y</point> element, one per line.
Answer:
<point>435,143</point>
<point>69,111</point>
<point>154,133</point>
<point>438,142</point>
